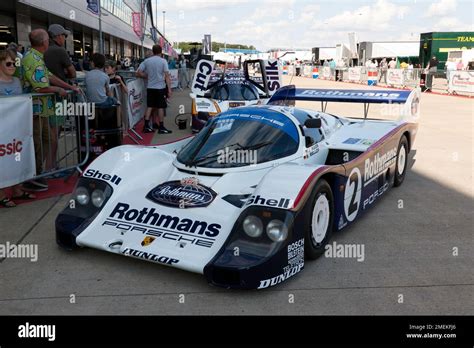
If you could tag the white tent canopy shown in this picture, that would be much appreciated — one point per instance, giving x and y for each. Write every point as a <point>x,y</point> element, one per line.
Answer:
<point>394,49</point>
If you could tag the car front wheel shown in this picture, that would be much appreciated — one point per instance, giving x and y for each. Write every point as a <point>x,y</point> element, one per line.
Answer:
<point>318,219</point>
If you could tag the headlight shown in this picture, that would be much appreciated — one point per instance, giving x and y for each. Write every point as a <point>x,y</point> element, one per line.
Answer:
<point>82,195</point>
<point>98,198</point>
<point>277,230</point>
<point>253,226</point>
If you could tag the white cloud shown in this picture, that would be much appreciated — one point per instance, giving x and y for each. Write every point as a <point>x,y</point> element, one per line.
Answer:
<point>308,13</point>
<point>263,12</point>
<point>310,23</point>
<point>366,18</point>
<point>261,35</point>
<point>185,5</point>
<point>452,24</point>
<point>212,20</point>
<point>442,7</point>
<point>285,3</point>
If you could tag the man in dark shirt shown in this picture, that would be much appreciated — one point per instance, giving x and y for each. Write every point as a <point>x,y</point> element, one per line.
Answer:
<point>56,57</point>
<point>432,68</point>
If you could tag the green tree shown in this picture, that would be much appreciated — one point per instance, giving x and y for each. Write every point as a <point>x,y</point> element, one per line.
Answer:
<point>186,46</point>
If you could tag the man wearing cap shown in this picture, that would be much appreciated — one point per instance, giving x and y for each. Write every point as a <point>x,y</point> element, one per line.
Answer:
<point>56,57</point>
<point>38,79</point>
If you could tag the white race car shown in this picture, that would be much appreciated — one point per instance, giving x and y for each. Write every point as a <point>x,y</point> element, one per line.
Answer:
<point>215,91</point>
<point>252,195</point>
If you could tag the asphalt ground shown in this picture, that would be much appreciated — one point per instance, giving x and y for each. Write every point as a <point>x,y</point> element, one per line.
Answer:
<point>418,258</point>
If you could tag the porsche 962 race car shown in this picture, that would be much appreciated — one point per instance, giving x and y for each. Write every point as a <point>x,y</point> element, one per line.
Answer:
<point>249,198</point>
<point>215,91</point>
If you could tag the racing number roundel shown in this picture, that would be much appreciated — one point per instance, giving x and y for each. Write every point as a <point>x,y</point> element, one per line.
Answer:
<point>352,194</point>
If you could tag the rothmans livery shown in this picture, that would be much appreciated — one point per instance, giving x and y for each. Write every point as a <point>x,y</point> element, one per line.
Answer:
<point>218,90</point>
<point>249,223</point>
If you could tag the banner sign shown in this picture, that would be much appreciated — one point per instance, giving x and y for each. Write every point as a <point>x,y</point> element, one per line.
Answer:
<point>174,78</point>
<point>206,44</point>
<point>17,152</point>
<point>273,72</point>
<point>326,72</point>
<point>354,74</point>
<point>395,77</point>
<point>93,6</point>
<point>461,81</point>
<point>137,23</point>
<point>202,76</point>
<point>154,34</point>
<point>135,101</point>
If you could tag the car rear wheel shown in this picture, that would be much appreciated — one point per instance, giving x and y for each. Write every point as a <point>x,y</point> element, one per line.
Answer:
<point>402,161</point>
<point>318,220</point>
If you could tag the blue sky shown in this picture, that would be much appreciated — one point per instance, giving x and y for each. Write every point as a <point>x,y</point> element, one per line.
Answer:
<point>309,23</point>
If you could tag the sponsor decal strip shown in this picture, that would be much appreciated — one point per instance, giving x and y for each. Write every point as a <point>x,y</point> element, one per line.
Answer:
<point>278,203</point>
<point>149,256</point>
<point>155,228</point>
<point>95,174</point>
<point>374,168</point>
<point>280,278</point>
<point>183,240</point>
<point>122,211</point>
<point>185,193</point>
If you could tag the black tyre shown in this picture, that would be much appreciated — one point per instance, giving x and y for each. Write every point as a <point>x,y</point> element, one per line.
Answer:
<point>402,161</point>
<point>318,220</point>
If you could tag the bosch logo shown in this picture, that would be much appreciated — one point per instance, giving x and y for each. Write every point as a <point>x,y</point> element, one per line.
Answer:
<point>11,148</point>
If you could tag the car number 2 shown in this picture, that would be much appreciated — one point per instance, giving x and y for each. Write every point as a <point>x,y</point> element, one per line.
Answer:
<point>353,194</point>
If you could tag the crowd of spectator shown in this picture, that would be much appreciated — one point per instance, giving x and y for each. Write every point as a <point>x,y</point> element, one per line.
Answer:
<point>48,71</point>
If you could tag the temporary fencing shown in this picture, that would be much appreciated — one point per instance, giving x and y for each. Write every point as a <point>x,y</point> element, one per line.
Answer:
<point>41,135</point>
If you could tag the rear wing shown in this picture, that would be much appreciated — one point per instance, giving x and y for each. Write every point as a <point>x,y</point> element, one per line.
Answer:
<point>409,100</point>
<point>267,79</point>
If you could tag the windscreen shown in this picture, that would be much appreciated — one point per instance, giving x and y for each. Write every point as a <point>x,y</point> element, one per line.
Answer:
<point>241,139</point>
<point>235,90</point>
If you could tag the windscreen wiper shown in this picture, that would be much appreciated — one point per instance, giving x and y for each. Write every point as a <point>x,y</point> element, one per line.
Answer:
<point>255,146</point>
<point>214,154</point>
<point>207,156</point>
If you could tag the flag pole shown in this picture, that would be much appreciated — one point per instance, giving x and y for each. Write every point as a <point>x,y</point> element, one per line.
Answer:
<point>101,45</point>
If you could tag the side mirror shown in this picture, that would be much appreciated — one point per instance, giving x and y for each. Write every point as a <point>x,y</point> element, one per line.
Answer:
<point>313,123</point>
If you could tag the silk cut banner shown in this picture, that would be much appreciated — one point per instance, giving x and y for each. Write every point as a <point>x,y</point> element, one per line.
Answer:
<point>17,153</point>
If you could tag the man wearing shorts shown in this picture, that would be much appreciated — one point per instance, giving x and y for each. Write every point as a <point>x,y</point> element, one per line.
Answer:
<point>38,79</point>
<point>155,71</point>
